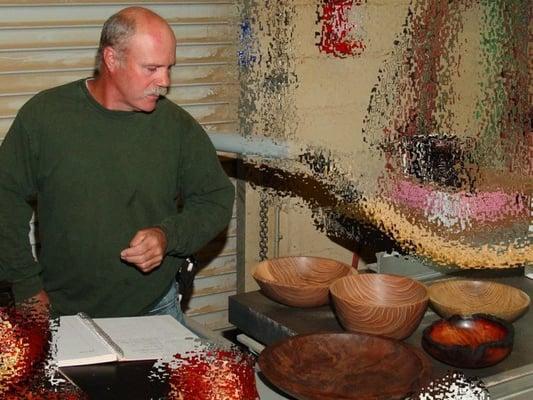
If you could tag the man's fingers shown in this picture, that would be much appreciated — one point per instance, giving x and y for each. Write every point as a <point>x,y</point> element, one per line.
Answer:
<point>147,249</point>
<point>139,255</point>
<point>147,266</point>
<point>142,254</point>
<point>136,251</point>
<point>139,245</point>
<point>137,239</point>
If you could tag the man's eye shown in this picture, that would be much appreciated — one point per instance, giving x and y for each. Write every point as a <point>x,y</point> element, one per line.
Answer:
<point>151,69</point>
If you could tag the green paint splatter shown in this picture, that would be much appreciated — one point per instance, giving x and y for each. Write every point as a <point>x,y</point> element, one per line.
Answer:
<point>501,111</point>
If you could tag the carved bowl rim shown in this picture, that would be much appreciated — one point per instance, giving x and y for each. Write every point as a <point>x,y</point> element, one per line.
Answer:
<point>264,264</point>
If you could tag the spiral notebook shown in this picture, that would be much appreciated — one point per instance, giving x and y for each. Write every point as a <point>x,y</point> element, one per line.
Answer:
<point>82,340</point>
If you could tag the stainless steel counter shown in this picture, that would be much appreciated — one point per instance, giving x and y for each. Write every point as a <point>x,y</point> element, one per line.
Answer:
<point>266,322</point>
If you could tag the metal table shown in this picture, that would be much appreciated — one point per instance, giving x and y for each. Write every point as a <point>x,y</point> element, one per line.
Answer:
<point>265,321</point>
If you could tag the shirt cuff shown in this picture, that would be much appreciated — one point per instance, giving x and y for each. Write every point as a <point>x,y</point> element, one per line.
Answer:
<point>171,235</point>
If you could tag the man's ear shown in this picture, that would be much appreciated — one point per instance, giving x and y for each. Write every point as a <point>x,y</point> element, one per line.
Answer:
<point>111,58</point>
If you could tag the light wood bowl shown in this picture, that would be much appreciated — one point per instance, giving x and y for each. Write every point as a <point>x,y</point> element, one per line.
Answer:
<point>467,297</point>
<point>379,304</point>
<point>299,281</point>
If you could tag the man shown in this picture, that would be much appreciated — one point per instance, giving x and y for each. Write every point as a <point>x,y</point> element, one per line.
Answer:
<point>108,159</point>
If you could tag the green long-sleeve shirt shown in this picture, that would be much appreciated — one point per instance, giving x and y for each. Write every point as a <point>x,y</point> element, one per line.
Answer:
<point>99,177</point>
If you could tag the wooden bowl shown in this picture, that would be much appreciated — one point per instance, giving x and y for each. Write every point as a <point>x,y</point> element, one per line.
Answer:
<point>379,304</point>
<point>345,366</point>
<point>299,281</point>
<point>469,342</point>
<point>467,297</point>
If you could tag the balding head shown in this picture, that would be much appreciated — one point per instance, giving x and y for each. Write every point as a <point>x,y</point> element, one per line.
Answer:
<point>120,27</point>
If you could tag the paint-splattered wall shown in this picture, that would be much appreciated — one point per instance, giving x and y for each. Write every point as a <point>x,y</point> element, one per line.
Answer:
<point>408,118</point>
<point>530,91</point>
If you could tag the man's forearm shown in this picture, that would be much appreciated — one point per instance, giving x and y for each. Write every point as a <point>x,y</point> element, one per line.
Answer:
<point>201,219</point>
<point>17,185</point>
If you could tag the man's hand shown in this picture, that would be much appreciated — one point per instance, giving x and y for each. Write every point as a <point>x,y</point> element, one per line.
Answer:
<point>147,249</point>
<point>37,306</point>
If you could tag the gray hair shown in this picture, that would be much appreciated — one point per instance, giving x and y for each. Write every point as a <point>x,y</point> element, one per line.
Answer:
<point>116,32</point>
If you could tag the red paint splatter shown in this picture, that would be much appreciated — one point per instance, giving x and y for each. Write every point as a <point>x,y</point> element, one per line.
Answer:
<point>23,345</point>
<point>213,375</point>
<point>338,33</point>
<point>42,393</point>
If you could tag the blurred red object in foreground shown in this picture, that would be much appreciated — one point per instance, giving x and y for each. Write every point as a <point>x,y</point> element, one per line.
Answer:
<point>212,375</point>
<point>24,342</point>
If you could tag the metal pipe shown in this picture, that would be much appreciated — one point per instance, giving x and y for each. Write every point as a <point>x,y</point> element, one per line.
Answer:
<point>277,230</point>
<point>250,145</point>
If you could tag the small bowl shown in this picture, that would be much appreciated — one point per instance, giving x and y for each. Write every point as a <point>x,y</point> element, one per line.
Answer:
<point>299,281</point>
<point>467,297</point>
<point>469,342</point>
<point>379,304</point>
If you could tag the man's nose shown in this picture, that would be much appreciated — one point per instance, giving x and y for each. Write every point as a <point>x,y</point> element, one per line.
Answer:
<point>164,78</point>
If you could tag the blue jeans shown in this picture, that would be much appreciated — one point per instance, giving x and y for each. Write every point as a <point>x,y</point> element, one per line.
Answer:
<point>169,305</point>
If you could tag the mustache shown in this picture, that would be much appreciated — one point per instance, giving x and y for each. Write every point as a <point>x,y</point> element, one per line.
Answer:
<point>157,90</point>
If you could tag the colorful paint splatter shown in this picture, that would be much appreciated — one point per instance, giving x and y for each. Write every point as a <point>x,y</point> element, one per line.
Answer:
<point>23,346</point>
<point>447,117</point>
<point>25,367</point>
<point>246,52</point>
<point>212,374</point>
<point>340,35</point>
<point>267,79</point>
<point>466,179</point>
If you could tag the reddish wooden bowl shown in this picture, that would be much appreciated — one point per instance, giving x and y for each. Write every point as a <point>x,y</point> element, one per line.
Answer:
<point>379,304</point>
<point>335,366</point>
<point>299,281</point>
<point>469,342</point>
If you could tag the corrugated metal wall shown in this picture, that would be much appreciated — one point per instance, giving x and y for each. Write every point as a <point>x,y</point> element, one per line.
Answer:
<point>46,43</point>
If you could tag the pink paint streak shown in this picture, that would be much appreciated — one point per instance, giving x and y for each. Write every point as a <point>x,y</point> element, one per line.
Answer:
<point>483,207</point>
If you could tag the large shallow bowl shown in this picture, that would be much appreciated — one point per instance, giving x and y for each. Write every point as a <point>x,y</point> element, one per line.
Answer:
<point>299,281</point>
<point>469,342</point>
<point>466,297</point>
<point>379,304</point>
<point>339,366</point>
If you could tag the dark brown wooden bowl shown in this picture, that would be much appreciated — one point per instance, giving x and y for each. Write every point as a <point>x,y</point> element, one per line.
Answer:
<point>299,281</point>
<point>466,297</point>
<point>345,366</point>
<point>379,304</point>
<point>469,342</point>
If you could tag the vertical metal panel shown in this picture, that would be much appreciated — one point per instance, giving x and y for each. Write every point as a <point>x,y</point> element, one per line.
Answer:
<point>45,43</point>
